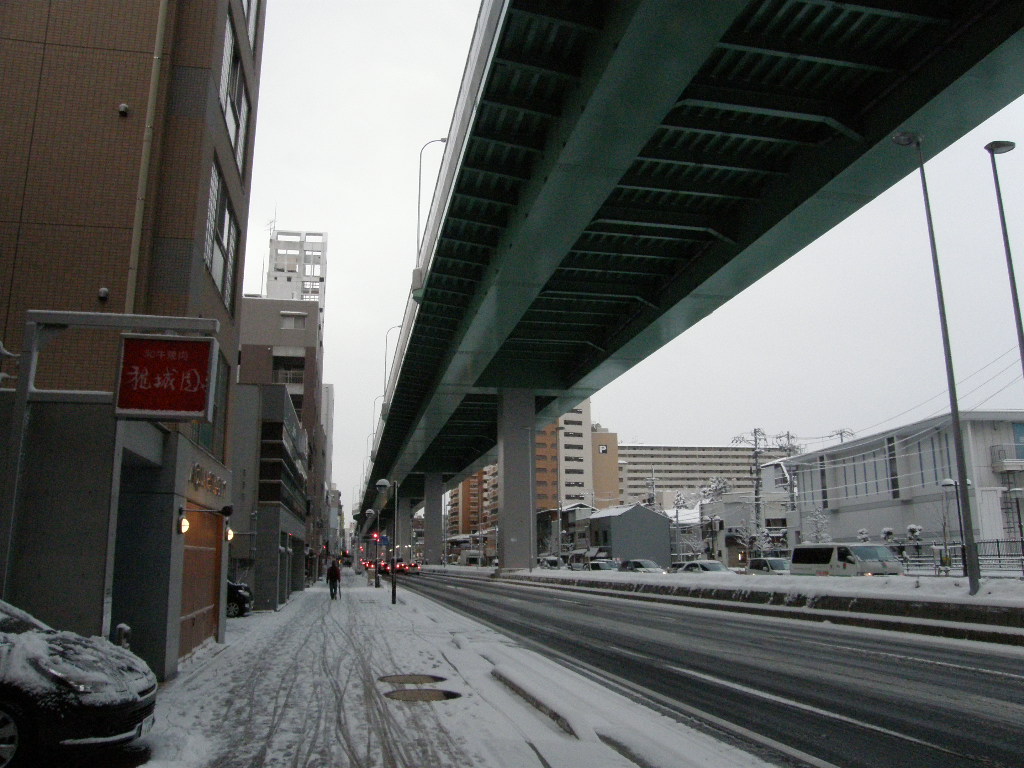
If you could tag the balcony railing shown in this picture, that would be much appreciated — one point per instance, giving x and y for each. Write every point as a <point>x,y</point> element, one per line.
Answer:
<point>1007,458</point>
<point>288,377</point>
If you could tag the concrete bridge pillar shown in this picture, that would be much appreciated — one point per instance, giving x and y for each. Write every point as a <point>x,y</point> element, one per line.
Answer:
<point>403,534</point>
<point>433,523</point>
<point>516,534</point>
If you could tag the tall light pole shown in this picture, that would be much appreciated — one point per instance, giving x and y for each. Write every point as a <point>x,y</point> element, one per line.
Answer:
<point>386,337</point>
<point>419,184</point>
<point>955,484</point>
<point>1000,148</point>
<point>907,139</point>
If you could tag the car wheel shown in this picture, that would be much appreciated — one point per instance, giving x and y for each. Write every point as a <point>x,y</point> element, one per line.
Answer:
<point>14,737</point>
<point>233,609</point>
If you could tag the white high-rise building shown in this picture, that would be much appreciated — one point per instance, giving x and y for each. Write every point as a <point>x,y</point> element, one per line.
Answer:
<point>297,269</point>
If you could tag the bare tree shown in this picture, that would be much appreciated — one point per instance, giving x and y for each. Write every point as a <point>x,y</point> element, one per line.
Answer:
<point>818,524</point>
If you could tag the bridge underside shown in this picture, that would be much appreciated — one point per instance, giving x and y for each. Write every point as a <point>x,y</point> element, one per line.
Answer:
<point>617,170</point>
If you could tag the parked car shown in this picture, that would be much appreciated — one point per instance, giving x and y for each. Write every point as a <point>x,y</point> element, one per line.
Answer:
<point>601,565</point>
<point>704,566</point>
<point>641,566</point>
<point>552,562</point>
<point>844,559</point>
<point>413,567</point>
<point>769,566</point>
<point>239,599</point>
<point>60,689</point>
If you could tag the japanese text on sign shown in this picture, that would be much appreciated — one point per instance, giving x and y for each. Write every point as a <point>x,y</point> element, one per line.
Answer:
<point>164,377</point>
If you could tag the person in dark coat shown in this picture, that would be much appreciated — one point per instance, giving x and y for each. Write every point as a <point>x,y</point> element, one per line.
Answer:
<point>333,577</point>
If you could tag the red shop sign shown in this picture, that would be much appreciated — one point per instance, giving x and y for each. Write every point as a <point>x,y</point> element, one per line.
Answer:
<point>165,378</point>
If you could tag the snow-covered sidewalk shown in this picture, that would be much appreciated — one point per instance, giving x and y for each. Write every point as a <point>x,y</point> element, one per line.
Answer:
<point>306,686</point>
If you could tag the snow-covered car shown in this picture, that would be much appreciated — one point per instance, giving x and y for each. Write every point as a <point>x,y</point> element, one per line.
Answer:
<point>601,565</point>
<point>769,566</point>
<point>641,566</point>
<point>705,566</point>
<point>239,599</point>
<point>60,689</point>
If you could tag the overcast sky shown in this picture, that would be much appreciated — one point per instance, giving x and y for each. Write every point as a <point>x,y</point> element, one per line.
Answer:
<point>845,335</point>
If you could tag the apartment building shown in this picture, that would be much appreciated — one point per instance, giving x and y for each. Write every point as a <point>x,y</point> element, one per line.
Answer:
<point>297,267</point>
<point>660,471</point>
<point>126,134</point>
<point>282,343</point>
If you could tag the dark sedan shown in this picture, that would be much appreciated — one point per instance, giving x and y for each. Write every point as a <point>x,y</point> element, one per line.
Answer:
<point>239,599</point>
<point>60,689</point>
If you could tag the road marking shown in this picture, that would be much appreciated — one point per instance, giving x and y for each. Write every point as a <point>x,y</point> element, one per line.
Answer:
<point>807,708</point>
<point>950,665</point>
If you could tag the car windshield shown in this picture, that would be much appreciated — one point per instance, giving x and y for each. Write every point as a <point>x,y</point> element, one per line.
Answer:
<point>646,564</point>
<point>602,566</point>
<point>868,552</point>
<point>778,564</point>
<point>715,566</point>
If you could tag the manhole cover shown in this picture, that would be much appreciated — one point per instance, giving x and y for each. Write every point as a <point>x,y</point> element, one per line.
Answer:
<point>421,694</point>
<point>411,679</point>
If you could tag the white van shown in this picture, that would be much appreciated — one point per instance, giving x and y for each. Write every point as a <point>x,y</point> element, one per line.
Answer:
<point>844,559</point>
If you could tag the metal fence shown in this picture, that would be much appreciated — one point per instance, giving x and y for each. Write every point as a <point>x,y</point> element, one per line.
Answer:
<point>998,557</point>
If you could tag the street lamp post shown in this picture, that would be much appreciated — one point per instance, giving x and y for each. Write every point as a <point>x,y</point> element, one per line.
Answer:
<point>419,184</point>
<point>1015,494</point>
<point>387,335</point>
<point>955,485</point>
<point>999,148</point>
<point>971,566</point>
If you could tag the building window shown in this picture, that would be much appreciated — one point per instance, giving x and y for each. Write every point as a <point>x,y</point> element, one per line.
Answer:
<point>574,458</point>
<point>573,423</point>
<point>570,447</point>
<point>252,12</point>
<point>573,434</point>
<point>210,434</point>
<point>293,322</point>
<point>221,238</point>
<point>894,478</point>
<point>574,471</point>
<point>824,482</point>
<point>234,98</point>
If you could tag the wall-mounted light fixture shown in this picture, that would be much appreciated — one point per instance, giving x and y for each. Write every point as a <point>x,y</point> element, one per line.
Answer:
<point>182,520</point>
<point>229,534</point>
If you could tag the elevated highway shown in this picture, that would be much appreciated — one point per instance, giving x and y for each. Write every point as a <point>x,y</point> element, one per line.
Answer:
<point>618,169</point>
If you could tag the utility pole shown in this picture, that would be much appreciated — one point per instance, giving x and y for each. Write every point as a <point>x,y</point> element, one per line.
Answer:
<point>755,439</point>
<point>842,434</point>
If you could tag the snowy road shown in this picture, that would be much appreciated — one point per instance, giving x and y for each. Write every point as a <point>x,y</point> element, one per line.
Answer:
<point>853,697</point>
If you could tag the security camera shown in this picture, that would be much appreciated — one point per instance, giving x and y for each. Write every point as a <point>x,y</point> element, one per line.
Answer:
<point>382,484</point>
<point>122,110</point>
<point>103,294</point>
